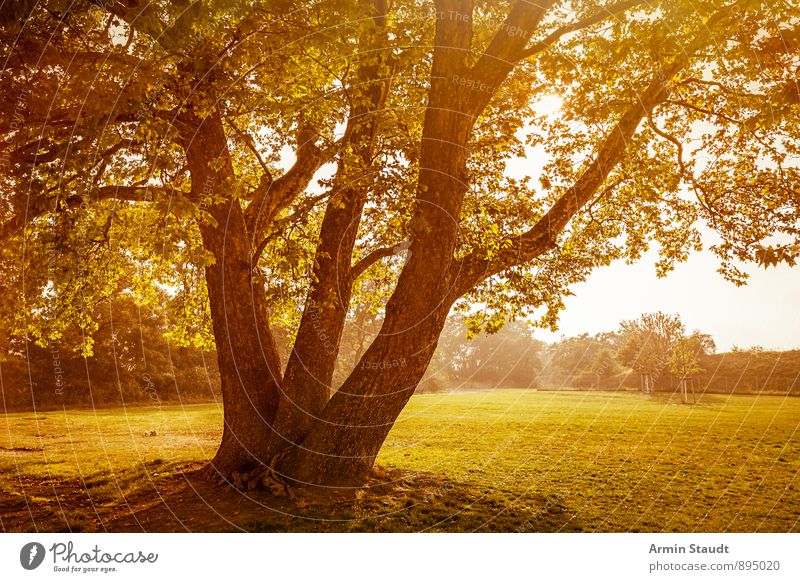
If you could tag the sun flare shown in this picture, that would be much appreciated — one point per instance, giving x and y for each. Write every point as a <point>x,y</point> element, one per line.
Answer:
<point>548,105</point>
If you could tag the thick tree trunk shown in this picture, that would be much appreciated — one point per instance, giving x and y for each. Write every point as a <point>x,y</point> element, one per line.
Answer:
<point>341,447</point>
<point>248,359</point>
<point>309,370</point>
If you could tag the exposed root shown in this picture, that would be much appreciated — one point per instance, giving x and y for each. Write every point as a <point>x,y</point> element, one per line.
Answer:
<point>264,479</point>
<point>213,475</point>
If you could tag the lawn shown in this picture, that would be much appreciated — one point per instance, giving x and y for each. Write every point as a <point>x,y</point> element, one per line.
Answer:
<point>502,460</point>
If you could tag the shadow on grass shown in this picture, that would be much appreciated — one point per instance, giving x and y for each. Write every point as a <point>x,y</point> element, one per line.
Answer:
<point>71,505</point>
<point>398,501</point>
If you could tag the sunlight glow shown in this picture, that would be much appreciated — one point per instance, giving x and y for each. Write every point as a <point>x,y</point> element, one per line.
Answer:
<point>548,105</point>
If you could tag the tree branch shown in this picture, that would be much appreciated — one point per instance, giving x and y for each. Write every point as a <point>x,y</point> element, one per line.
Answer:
<point>249,142</point>
<point>358,268</point>
<point>12,226</point>
<point>510,39</point>
<point>475,267</point>
<point>277,225</point>
<point>131,193</point>
<point>700,193</point>
<point>17,222</point>
<point>144,16</point>
<point>272,196</point>
<point>499,58</point>
<point>555,36</point>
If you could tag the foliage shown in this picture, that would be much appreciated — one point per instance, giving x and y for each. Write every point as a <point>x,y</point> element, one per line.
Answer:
<point>749,372</point>
<point>270,66</point>
<point>204,147</point>
<point>649,341</point>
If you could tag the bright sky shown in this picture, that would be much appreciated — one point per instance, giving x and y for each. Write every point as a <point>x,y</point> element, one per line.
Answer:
<point>765,312</point>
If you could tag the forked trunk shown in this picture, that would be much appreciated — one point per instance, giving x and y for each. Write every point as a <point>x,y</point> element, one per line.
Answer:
<point>342,445</point>
<point>311,363</point>
<point>309,372</point>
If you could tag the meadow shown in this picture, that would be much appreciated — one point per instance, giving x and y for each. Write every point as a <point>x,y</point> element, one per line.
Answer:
<point>501,460</point>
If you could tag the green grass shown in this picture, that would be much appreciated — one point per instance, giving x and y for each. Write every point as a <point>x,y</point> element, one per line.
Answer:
<point>109,451</point>
<point>508,460</point>
<point>616,462</point>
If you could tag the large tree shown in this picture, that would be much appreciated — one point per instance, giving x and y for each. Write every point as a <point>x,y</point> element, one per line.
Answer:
<point>261,158</point>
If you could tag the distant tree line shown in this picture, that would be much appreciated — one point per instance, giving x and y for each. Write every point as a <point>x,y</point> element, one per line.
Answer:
<point>752,371</point>
<point>132,361</point>
<point>654,353</point>
<point>135,361</point>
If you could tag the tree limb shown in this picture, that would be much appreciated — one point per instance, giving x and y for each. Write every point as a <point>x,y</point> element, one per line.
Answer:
<point>144,16</point>
<point>248,141</point>
<point>700,192</point>
<point>510,39</point>
<point>375,256</point>
<point>499,58</point>
<point>131,193</point>
<point>17,222</point>
<point>555,36</point>
<point>475,267</point>
<point>277,225</point>
<point>12,226</point>
<point>272,196</point>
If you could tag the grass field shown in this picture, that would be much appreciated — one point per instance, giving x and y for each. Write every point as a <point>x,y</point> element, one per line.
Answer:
<point>498,461</point>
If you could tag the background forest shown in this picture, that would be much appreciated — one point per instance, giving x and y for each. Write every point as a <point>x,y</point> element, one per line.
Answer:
<point>134,362</point>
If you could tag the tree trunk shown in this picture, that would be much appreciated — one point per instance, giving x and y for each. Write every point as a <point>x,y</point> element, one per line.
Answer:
<point>309,371</point>
<point>248,360</point>
<point>341,447</point>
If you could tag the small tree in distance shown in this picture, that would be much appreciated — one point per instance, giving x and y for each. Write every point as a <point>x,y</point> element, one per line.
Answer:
<point>647,344</point>
<point>684,361</point>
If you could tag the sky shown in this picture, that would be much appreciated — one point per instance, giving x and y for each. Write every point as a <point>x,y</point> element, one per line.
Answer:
<point>765,312</point>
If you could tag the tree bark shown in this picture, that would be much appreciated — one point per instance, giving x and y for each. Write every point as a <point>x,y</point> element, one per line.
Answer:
<point>337,445</point>
<point>309,371</point>
<point>248,359</point>
<point>341,447</point>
